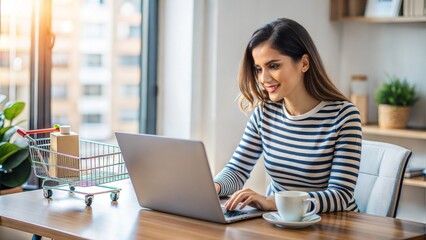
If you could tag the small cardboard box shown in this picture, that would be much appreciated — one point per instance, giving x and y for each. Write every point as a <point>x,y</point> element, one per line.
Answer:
<point>69,144</point>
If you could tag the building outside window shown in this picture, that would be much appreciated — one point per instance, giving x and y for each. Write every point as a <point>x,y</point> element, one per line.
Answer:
<point>128,115</point>
<point>95,2</point>
<point>129,60</point>
<point>96,68</point>
<point>93,30</point>
<point>4,59</point>
<point>15,48</point>
<point>92,90</point>
<point>92,118</point>
<point>60,59</point>
<point>59,91</point>
<point>134,31</point>
<point>61,119</point>
<point>92,60</point>
<point>129,90</point>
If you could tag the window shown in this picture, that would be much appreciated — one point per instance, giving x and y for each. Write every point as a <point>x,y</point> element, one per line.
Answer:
<point>17,61</point>
<point>126,31</point>
<point>60,119</point>
<point>128,115</point>
<point>15,48</point>
<point>60,59</point>
<point>5,27</point>
<point>4,59</point>
<point>92,60</point>
<point>129,60</point>
<point>95,2</point>
<point>92,90</point>
<point>63,28</point>
<point>58,63</point>
<point>4,90</point>
<point>92,118</point>
<point>93,30</point>
<point>127,7</point>
<point>129,90</point>
<point>95,60</point>
<point>134,32</point>
<point>59,91</point>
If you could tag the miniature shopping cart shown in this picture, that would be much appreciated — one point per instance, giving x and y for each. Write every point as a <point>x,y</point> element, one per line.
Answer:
<point>97,163</point>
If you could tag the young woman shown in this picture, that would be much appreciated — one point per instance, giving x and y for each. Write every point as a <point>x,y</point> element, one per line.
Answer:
<point>308,132</point>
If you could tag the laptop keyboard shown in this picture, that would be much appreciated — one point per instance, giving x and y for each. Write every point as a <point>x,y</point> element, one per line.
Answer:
<point>234,213</point>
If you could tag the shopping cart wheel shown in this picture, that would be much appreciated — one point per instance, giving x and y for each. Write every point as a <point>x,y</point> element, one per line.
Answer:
<point>47,193</point>
<point>114,196</point>
<point>88,199</point>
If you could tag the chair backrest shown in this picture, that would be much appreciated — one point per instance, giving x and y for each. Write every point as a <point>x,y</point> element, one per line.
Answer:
<point>380,177</point>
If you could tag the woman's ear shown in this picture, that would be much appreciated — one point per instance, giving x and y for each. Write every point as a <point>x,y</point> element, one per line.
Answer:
<point>305,63</point>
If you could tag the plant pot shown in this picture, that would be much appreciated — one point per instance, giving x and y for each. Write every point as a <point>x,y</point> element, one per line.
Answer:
<point>393,116</point>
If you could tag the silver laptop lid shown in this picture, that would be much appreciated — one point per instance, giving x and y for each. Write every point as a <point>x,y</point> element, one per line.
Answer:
<point>171,175</point>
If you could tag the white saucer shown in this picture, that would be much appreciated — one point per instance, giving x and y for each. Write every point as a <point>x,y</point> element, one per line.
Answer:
<point>274,218</point>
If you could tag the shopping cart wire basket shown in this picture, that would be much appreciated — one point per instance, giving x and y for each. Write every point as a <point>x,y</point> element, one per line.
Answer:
<point>97,164</point>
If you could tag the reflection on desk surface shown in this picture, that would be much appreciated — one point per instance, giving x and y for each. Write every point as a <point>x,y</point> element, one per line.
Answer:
<point>66,216</point>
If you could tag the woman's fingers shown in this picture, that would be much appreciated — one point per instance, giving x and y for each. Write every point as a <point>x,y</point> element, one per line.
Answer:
<point>242,198</point>
<point>246,202</point>
<point>229,205</point>
<point>237,198</point>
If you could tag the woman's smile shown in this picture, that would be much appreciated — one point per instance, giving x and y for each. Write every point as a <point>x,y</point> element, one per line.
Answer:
<point>271,88</point>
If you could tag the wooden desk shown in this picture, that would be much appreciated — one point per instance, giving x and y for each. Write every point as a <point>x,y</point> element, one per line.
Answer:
<point>65,216</point>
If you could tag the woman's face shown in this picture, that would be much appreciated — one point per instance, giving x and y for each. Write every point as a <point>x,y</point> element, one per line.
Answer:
<point>279,74</point>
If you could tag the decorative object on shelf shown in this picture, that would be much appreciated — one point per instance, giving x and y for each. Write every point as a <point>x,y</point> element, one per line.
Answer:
<point>15,165</point>
<point>359,96</point>
<point>356,7</point>
<point>411,172</point>
<point>382,8</point>
<point>414,8</point>
<point>339,11</point>
<point>395,99</point>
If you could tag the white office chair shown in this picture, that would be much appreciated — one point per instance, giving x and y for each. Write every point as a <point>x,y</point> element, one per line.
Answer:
<point>380,177</point>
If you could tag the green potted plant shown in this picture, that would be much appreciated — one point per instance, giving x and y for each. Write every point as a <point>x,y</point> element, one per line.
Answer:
<point>15,164</point>
<point>395,99</point>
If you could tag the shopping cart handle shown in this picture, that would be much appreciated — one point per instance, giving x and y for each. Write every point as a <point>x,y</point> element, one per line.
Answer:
<point>21,132</point>
<point>24,133</point>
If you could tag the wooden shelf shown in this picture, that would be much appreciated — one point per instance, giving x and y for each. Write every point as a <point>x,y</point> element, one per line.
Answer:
<point>415,182</point>
<point>339,12</point>
<point>404,133</point>
<point>383,20</point>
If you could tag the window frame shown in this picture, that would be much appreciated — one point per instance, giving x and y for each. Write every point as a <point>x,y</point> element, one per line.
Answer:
<point>42,40</point>
<point>41,64</point>
<point>148,86</point>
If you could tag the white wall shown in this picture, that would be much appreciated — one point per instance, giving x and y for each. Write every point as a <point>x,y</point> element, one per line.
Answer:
<point>175,67</point>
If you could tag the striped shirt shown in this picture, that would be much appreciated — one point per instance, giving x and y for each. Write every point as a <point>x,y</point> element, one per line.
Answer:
<point>317,152</point>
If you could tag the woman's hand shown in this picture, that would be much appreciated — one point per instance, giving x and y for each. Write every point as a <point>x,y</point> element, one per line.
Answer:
<point>217,186</point>
<point>251,198</point>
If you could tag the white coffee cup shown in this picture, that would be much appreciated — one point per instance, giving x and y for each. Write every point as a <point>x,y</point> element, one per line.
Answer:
<point>293,205</point>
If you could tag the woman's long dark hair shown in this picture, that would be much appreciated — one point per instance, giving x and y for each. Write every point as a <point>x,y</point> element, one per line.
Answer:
<point>290,39</point>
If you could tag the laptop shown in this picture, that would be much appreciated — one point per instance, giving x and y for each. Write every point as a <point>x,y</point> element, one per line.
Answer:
<point>173,176</point>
